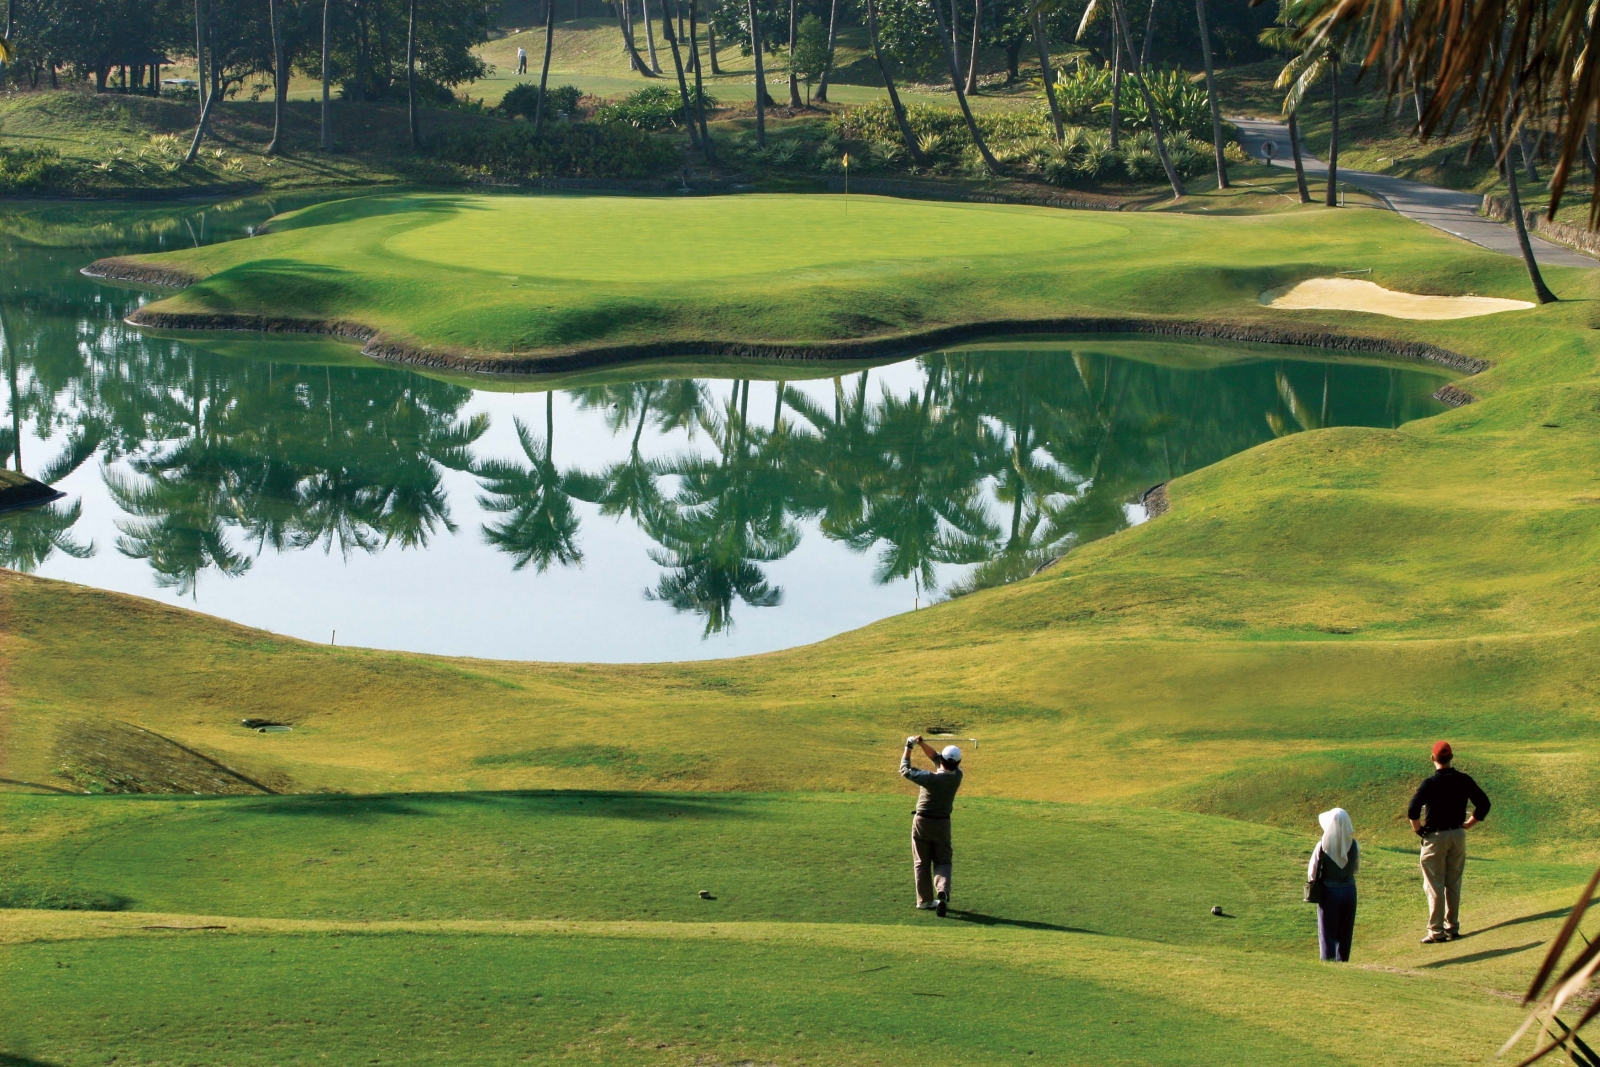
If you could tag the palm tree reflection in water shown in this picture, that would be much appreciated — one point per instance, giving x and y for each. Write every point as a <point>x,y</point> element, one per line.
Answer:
<point>968,471</point>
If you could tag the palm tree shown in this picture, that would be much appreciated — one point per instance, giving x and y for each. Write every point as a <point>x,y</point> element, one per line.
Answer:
<point>977,37</point>
<point>910,138</point>
<point>961,97</point>
<point>1315,60</point>
<point>683,86</point>
<point>761,76</point>
<point>327,134</point>
<point>1046,72</point>
<point>650,34</point>
<point>544,66</point>
<point>208,91</point>
<point>794,78</point>
<point>833,37</point>
<point>1282,38</point>
<point>280,77</point>
<point>1149,106</point>
<point>1211,92</point>
<point>411,77</point>
<point>699,87</point>
<point>541,527</point>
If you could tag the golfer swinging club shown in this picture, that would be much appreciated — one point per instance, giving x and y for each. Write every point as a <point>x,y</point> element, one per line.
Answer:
<point>930,825</point>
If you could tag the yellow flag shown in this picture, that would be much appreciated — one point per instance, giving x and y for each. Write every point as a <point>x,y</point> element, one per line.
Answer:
<point>847,161</point>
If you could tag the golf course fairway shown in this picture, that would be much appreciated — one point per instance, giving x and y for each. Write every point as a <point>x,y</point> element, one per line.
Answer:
<point>483,862</point>
<point>551,282</point>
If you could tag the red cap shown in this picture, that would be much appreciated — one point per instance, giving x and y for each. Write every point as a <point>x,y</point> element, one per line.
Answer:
<point>1441,752</point>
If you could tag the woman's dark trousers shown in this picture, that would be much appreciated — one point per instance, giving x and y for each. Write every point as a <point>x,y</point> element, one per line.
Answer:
<point>1336,920</point>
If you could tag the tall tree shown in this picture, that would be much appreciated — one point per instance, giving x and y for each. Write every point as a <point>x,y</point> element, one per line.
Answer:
<point>649,34</point>
<point>794,80</point>
<point>326,141</point>
<point>913,149</point>
<point>413,119</point>
<point>1211,94</point>
<point>699,87</point>
<point>761,77</point>
<point>961,97</point>
<point>544,66</point>
<point>280,77</point>
<point>833,36</point>
<point>1046,72</point>
<point>671,35</point>
<point>977,40</point>
<point>216,82</point>
<point>1149,107</point>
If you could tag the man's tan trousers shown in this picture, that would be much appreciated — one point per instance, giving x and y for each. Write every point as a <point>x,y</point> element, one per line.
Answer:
<point>931,856</point>
<point>1444,861</point>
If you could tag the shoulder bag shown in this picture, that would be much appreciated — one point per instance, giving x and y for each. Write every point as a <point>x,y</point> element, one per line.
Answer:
<point>1314,885</point>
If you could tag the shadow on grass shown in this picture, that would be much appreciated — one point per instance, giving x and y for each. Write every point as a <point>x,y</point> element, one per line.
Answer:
<point>1478,957</point>
<point>1553,913</point>
<point>980,919</point>
<point>11,1059</point>
<point>533,804</point>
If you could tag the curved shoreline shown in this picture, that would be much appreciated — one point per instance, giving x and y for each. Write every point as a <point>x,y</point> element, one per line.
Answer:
<point>378,347</point>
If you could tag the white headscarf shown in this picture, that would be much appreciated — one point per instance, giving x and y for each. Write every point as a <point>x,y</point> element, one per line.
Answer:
<point>1337,836</point>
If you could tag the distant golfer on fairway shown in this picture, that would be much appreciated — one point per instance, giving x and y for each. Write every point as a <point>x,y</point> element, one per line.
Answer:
<point>930,824</point>
<point>522,61</point>
<point>1444,839</point>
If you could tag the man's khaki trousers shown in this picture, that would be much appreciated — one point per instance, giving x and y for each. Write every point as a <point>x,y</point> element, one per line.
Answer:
<point>931,856</point>
<point>1444,860</point>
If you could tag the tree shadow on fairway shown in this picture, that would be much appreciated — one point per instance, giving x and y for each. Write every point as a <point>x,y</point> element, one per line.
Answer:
<point>11,1059</point>
<point>1553,913</point>
<point>1478,957</point>
<point>654,807</point>
<point>981,919</point>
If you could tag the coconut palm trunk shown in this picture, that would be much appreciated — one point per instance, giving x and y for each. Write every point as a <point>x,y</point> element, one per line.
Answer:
<point>326,141</point>
<point>1299,167</point>
<point>411,78</point>
<point>699,87</point>
<point>1211,94</point>
<point>913,149</point>
<point>650,34</point>
<point>961,97</point>
<point>671,35</point>
<point>833,36</point>
<point>625,24</point>
<point>1150,108</point>
<point>1508,170</point>
<point>711,47</point>
<point>279,81</point>
<point>761,75</point>
<point>211,96</point>
<point>1116,85</point>
<point>544,67</point>
<point>199,58</point>
<point>1331,199</point>
<point>794,80</point>
<point>972,62</point>
<point>1047,73</point>
<point>1149,37</point>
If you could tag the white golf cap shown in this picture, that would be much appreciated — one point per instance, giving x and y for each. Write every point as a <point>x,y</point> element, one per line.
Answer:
<point>951,754</point>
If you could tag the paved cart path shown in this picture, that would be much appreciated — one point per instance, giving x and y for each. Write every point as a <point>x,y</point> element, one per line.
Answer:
<point>1449,210</point>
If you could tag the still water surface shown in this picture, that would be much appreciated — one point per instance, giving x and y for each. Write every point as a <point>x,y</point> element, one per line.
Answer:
<point>657,512</point>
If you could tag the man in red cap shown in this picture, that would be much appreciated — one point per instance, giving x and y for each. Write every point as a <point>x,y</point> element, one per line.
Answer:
<point>1444,794</point>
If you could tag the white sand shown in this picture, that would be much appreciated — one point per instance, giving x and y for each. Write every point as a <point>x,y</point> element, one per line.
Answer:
<point>1347,294</point>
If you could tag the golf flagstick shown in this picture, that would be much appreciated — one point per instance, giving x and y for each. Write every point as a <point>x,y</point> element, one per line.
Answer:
<point>847,183</point>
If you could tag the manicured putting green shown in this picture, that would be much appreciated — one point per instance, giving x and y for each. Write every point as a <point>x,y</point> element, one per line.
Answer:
<point>483,277</point>
<point>622,240</point>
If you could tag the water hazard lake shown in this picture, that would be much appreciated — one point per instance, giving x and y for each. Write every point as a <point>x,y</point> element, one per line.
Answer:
<point>642,513</point>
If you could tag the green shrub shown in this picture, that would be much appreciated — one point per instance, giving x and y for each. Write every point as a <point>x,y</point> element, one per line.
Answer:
<point>35,170</point>
<point>654,107</point>
<point>523,100</point>
<point>578,150</point>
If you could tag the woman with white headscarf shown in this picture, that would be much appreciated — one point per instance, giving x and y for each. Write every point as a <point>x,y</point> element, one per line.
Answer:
<point>1331,876</point>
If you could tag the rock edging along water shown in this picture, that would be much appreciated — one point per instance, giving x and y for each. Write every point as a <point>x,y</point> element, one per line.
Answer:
<point>390,350</point>
<point>117,269</point>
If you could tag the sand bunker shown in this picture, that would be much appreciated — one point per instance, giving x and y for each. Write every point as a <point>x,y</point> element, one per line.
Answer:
<point>1347,294</point>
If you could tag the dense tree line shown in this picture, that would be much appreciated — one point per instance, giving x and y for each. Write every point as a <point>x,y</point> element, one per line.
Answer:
<point>96,39</point>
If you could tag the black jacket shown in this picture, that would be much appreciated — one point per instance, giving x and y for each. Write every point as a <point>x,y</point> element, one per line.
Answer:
<point>1445,794</point>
